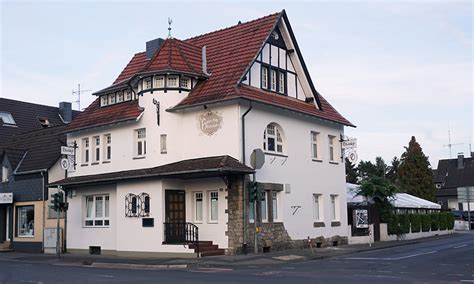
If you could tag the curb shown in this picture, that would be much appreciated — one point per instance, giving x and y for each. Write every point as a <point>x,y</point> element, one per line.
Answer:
<point>109,265</point>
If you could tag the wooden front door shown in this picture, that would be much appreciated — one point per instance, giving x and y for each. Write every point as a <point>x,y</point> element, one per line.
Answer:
<point>175,214</point>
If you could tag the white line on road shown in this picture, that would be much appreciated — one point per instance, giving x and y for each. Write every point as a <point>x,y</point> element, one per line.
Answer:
<point>461,246</point>
<point>392,258</point>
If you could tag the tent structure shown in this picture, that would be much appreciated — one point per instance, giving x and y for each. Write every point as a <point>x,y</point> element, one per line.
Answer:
<point>400,200</point>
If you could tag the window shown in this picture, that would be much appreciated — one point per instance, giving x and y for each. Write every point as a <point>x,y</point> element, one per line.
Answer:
<point>43,121</point>
<point>272,139</point>
<point>281,82</point>
<point>184,83</point>
<point>107,147</point>
<point>146,202</point>
<point>147,84</point>
<point>128,95</point>
<point>163,143</point>
<point>316,207</point>
<point>314,145</point>
<point>103,100</point>
<point>263,207</point>
<point>160,82</point>
<point>97,211</point>
<point>251,211</point>
<point>172,81</point>
<point>85,150</point>
<point>26,221</point>
<point>213,202</point>
<point>331,147</point>
<point>96,148</point>
<point>140,137</point>
<point>273,78</point>
<point>137,205</point>
<point>198,206</point>
<point>334,207</point>
<point>275,205</point>
<point>7,118</point>
<point>120,97</point>
<point>264,78</point>
<point>112,99</point>
<point>5,173</point>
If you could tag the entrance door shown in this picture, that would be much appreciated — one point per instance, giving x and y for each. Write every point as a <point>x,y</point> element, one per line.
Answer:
<point>175,213</point>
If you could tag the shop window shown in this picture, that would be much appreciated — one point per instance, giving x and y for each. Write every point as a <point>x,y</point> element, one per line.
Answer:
<point>26,221</point>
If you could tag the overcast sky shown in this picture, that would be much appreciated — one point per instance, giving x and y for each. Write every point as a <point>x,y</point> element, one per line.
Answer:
<point>394,69</point>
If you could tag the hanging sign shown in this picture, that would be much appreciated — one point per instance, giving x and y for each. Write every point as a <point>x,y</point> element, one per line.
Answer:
<point>349,144</point>
<point>67,150</point>
<point>64,163</point>
<point>210,122</point>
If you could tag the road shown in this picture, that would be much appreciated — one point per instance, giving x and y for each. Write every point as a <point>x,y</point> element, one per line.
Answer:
<point>449,260</point>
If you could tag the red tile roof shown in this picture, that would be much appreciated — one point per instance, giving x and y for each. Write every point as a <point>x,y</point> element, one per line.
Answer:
<point>94,115</point>
<point>136,64</point>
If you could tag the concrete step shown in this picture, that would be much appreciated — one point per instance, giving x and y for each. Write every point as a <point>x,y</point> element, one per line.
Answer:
<point>204,247</point>
<point>212,252</point>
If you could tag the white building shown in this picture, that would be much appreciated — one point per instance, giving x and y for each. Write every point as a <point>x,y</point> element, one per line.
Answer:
<point>166,149</point>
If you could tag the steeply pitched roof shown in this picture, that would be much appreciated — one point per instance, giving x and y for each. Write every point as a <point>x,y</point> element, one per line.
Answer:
<point>26,117</point>
<point>35,150</point>
<point>136,64</point>
<point>450,176</point>
<point>94,115</point>
<point>193,168</point>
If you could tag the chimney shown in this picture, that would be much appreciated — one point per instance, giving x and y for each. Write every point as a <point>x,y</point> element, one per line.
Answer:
<point>65,111</point>
<point>204,61</point>
<point>152,46</point>
<point>460,161</point>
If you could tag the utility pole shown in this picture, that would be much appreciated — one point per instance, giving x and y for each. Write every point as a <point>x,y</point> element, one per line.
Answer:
<point>78,93</point>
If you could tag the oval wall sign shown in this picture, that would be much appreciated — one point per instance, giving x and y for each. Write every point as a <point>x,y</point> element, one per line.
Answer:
<point>210,122</point>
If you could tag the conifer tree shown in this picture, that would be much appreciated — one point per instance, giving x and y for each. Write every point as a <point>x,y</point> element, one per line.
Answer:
<point>351,172</point>
<point>414,173</point>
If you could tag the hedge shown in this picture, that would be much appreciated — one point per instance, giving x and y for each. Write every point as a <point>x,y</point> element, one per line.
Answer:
<point>450,220</point>
<point>443,220</point>
<point>415,220</point>
<point>404,221</point>
<point>434,221</point>
<point>425,222</point>
<point>393,226</point>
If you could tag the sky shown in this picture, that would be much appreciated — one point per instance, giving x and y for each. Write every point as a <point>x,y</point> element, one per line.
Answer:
<point>395,69</point>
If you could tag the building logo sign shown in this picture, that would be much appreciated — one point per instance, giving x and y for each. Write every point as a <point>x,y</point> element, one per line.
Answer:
<point>349,148</point>
<point>210,122</point>
<point>6,198</point>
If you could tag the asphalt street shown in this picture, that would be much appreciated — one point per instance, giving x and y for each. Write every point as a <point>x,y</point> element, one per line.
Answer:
<point>448,260</point>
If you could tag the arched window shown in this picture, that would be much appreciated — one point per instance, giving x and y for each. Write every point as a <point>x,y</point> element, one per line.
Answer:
<point>273,139</point>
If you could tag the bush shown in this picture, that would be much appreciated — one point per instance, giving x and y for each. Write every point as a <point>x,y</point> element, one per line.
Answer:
<point>450,220</point>
<point>425,222</point>
<point>415,220</point>
<point>443,220</point>
<point>404,223</point>
<point>393,226</point>
<point>434,221</point>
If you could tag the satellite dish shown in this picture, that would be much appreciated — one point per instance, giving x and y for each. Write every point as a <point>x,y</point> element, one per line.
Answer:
<point>257,159</point>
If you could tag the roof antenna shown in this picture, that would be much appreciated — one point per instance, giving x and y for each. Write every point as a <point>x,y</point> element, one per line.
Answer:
<point>450,145</point>
<point>170,21</point>
<point>78,94</point>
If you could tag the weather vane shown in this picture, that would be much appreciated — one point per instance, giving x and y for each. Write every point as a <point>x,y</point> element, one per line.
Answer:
<point>170,21</point>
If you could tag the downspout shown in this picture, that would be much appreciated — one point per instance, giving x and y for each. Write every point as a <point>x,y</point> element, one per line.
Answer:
<point>244,208</point>
<point>44,210</point>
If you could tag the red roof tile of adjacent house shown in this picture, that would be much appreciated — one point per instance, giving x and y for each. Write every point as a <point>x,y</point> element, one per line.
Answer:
<point>176,55</point>
<point>94,115</point>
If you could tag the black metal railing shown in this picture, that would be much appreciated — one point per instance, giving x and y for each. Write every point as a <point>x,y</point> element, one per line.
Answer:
<point>182,233</point>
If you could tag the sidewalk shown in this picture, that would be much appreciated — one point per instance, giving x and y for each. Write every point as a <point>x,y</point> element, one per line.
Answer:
<point>249,260</point>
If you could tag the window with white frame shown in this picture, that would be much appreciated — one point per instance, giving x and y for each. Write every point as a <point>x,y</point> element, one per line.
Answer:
<point>273,78</point>
<point>281,82</point>
<point>172,81</point>
<point>275,206</point>
<point>96,140</point>
<point>185,82</point>
<point>264,78</point>
<point>97,211</point>
<point>120,97</point>
<point>112,99</point>
<point>26,221</point>
<point>104,100</point>
<point>317,201</point>
<point>5,174</point>
<point>331,147</point>
<point>198,205</point>
<point>334,207</point>
<point>107,147</point>
<point>147,84</point>
<point>213,206</point>
<point>263,207</point>
<point>159,82</point>
<point>314,145</point>
<point>85,150</point>
<point>140,142</point>
<point>128,95</point>
<point>163,146</point>
<point>272,139</point>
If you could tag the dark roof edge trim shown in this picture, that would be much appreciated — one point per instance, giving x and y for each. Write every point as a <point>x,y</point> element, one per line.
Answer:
<point>101,125</point>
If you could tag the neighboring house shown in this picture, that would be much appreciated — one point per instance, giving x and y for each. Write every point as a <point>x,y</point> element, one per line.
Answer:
<point>29,161</point>
<point>450,175</point>
<point>166,149</point>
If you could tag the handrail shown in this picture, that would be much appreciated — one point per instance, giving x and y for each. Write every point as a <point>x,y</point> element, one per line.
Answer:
<point>182,233</point>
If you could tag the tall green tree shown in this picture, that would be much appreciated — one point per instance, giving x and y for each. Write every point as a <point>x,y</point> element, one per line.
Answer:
<point>351,172</point>
<point>414,173</point>
<point>392,173</point>
<point>381,190</point>
<point>367,169</point>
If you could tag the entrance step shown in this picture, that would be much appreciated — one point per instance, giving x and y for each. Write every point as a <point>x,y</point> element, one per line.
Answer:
<point>207,248</point>
<point>212,252</point>
<point>5,246</point>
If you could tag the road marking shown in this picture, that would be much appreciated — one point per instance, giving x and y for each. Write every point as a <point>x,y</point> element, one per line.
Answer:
<point>392,258</point>
<point>210,270</point>
<point>470,281</point>
<point>461,246</point>
<point>106,276</point>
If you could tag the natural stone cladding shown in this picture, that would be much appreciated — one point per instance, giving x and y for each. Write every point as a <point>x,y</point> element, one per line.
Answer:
<point>272,235</point>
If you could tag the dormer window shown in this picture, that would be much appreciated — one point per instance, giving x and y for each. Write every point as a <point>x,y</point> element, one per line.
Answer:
<point>43,121</point>
<point>120,97</point>
<point>128,95</point>
<point>264,78</point>
<point>112,99</point>
<point>273,78</point>
<point>185,83</point>
<point>103,100</point>
<point>147,84</point>
<point>281,82</point>
<point>172,82</point>
<point>7,118</point>
<point>159,82</point>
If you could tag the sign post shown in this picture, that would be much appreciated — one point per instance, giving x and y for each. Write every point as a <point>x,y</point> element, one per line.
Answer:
<point>466,194</point>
